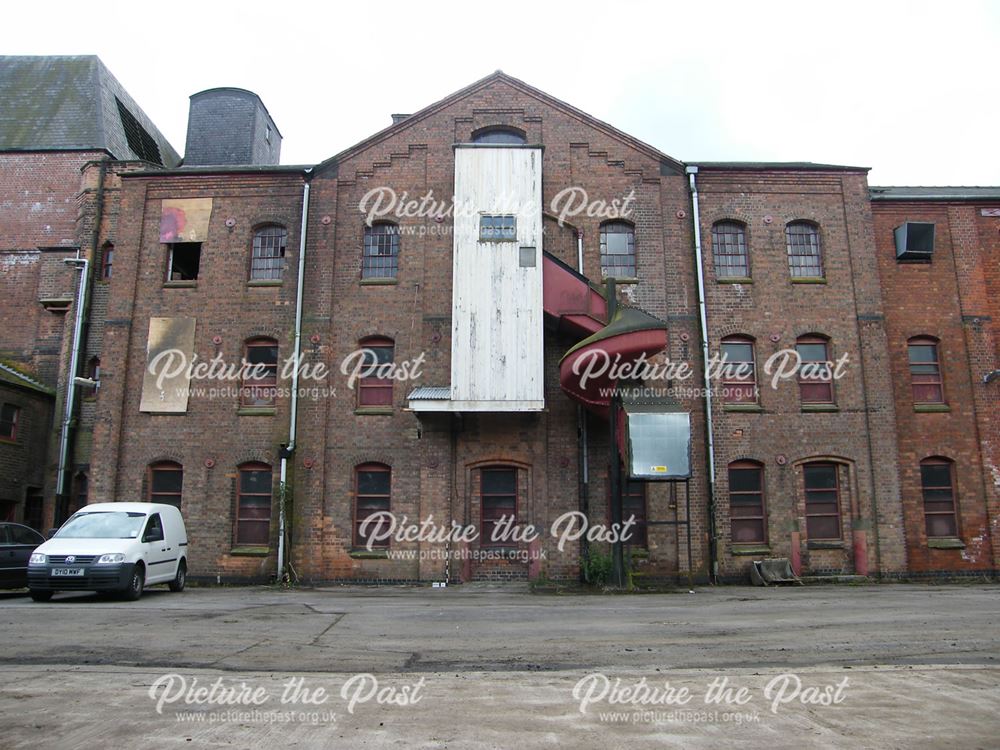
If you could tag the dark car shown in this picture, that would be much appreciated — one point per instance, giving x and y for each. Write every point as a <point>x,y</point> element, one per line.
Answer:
<point>17,542</point>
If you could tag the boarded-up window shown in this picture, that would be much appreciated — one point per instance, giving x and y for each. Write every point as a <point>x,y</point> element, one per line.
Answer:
<point>185,220</point>
<point>166,380</point>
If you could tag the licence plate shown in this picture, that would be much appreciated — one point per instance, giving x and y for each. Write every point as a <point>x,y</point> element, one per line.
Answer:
<point>67,571</point>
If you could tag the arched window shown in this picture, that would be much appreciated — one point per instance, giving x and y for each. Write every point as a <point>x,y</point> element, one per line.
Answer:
<point>253,505</point>
<point>372,495</point>
<point>501,136</point>
<point>937,482</point>
<point>381,252</point>
<point>498,501</point>
<point>815,371</point>
<point>375,387</point>
<point>107,260</point>
<point>747,512</point>
<point>821,480</point>
<point>268,259</point>
<point>618,250</point>
<point>925,370</point>
<point>739,374</point>
<point>729,248</point>
<point>805,260</point>
<point>164,483</point>
<point>260,377</point>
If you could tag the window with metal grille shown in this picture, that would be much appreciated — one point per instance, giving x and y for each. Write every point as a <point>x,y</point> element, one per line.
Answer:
<point>260,376</point>
<point>925,371</point>
<point>729,248</point>
<point>372,495</point>
<point>747,514</point>
<point>618,250</point>
<point>815,371</point>
<point>937,482</point>
<point>498,498</point>
<point>375,385</point>
<point>165,482</point>
<point>805,259</point>
<point>739,373</point>
<point>107,260</point>
<point>822,489</point>
<point>497,228</point>
<point>8,421</point>
<point>381,253</point>
<point>268,259</point>
<point>253,505</point>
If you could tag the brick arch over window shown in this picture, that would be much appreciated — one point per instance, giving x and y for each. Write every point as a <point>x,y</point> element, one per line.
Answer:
<point>267,255</point>
<point>375,387</point>
<point>747,503</point>
<point>618,250</point>
<point>926,382</point>
<point>938,487</point>
<point>165,483</point>
<point>500,135</point>
<point>380,251</point>
<point>805,256</point>
<point>372,495</point>
<point>730,251</point>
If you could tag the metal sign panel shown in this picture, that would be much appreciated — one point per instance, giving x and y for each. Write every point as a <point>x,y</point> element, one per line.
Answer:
<point>659,445</point>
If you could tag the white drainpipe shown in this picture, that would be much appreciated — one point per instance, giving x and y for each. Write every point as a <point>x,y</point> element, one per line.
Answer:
<point>289,448</point>
<point>703,315</point>
<point>69,398</point>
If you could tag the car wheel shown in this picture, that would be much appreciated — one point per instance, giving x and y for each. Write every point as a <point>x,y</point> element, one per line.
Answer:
<point>135,584</point>
<point>180,579</point>
<point>41,596</point>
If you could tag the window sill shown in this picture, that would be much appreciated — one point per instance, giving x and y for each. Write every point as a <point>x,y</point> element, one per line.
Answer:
<point>8,441</point>
<point>808,280</point>
<point>820,407</point>
<point>825,544</point>
<point>931,408</point>
<point>749,550</point>
<point>256,411</point>
<point>623,279</point>
<point>379,282</point>
<point>250,551</point>
<point>363,554</point>
<point>946,543</point>
<point>264,282</point>
<point>180,284</point>
<point>373,411</point>
<point>734,280</point>
<point>746,408</point>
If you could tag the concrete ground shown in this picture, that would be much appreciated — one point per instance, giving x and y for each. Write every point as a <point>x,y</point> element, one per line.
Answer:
<point>492,666</point>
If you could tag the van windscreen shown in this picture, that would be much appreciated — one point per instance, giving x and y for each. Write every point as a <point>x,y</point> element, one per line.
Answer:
<point>104,525</point>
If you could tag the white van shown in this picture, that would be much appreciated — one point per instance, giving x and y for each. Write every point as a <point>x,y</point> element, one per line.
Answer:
<point>112,547</point>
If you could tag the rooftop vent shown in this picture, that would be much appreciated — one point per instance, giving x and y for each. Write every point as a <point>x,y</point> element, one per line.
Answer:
<point>914,241</point>
<point>139,140</point>
<point>396,119</point>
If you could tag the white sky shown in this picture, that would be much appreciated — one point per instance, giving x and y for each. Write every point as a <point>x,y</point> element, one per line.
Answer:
<point>909,89</point>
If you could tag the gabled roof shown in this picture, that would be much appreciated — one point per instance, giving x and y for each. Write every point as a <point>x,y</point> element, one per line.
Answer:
<point>12,377</point>
<point>73,103</point>
<point>501,77</point>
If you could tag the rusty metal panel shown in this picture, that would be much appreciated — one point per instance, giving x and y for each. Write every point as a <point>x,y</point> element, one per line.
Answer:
<point>185,219</point>
<point>166,379</point>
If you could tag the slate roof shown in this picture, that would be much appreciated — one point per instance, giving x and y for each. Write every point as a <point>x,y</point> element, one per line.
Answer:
<point>11,376</point>
<point>931,193</point>
<point>69,103</point>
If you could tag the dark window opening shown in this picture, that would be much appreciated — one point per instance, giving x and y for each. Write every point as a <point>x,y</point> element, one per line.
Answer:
<point>497,228</point>
<point>372,487</point>
<point>498,497</point>
<point>925,371</point>
<point>184,261</point>
<point>375,386</point>
<point>260,381</point>
<point>729,248</point>
<point>822,488</point>
<point>107,260</point>
<point>139,140</point>
<point>804,257</point>
<point>165,482</point>
<point>937,483</point>
<point>8,421</point>
<point>499,136</point>
<point>268,257</point>
<point>747,515</point>
<point>914,241</point>
<point>253,505</point>
<point>381,252</point>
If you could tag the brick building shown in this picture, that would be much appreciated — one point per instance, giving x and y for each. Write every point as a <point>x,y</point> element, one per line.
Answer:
<point>884,465</point>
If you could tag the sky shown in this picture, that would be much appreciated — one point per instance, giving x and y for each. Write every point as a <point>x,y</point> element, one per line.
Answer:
<point>909,89</point>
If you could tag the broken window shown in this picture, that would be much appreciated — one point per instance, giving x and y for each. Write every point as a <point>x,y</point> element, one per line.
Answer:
<point>729,248</point>
<point>268,253</point>
<point>184,261</point>
<point>381,253</point>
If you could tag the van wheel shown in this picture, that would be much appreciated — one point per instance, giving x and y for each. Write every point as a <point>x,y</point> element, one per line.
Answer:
<point>41,596</point>
<point>135,584</point>
<point>180,579</point>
